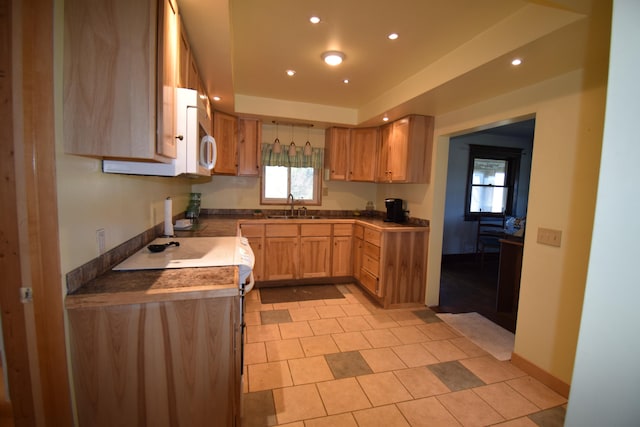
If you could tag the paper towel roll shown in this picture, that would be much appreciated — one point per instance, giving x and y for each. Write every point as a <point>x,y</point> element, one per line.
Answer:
<point>168,217</point>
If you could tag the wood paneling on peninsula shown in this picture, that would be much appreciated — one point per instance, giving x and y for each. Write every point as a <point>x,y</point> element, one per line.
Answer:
<point>160,364</point>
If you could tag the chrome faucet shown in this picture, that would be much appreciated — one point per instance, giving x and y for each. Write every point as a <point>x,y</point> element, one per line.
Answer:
<point>291,197</point>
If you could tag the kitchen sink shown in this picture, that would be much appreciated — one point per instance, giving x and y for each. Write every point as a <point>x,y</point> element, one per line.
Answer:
<point>294,217</point>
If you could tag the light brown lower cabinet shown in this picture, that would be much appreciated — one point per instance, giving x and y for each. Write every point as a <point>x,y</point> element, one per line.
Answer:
<point>315,256</point>
<point>157,364</point>
<point>392,265</point>
<point>389,263</point>
<point>315,250</point>
<point>341,256</point>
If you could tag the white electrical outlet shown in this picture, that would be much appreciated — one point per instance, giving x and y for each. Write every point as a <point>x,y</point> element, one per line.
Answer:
<point>548,236</point>
<point>101,241</point>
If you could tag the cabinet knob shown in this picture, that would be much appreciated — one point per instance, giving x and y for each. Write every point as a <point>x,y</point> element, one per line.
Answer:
<point>180,137</point>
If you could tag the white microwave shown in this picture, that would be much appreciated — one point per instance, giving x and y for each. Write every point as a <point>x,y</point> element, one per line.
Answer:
<point>196,151</point>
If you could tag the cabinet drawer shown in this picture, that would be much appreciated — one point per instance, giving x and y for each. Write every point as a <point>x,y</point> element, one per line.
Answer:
<point>369,281</point>
<point>252,230</point>
<point>281,230</point>
<point>372,265</point>
<point>372,236</point>
<point>315,230</point>
<point>342,229</point>
<point>358,231</point>
<point>372,251</point>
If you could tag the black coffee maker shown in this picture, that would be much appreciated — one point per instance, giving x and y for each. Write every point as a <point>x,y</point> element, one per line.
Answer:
<point>395,213</point>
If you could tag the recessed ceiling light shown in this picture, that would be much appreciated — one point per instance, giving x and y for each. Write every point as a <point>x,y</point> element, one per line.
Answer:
<point>392,36</point>
<point>345,81</point>
<point>333,57</point>
<point>314,19</point>
<point>516,62</point>
<point>216,98</point>
<point>291,73</point>
<point>385,118</point>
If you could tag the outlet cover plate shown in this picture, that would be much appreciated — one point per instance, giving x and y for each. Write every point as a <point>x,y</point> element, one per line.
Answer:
<point>549,236</point>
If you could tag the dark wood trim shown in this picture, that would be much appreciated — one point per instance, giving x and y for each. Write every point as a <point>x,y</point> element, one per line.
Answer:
<point>14,330</point>
<point>512,156</point>
<point>40,394</point>
<point>42,210</point>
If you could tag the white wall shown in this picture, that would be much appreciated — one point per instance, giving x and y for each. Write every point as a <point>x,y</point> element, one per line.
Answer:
<point>606,380</point>
<point>569,113</point>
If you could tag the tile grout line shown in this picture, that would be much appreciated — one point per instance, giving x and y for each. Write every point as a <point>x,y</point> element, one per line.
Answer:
<point>396,319</point>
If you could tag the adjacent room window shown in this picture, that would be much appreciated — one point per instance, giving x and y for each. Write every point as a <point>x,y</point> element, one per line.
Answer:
<point>298,175</point>
<point>492,180</point>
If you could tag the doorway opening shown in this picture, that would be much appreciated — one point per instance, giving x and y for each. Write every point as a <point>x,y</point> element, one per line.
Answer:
<point>469,282</point>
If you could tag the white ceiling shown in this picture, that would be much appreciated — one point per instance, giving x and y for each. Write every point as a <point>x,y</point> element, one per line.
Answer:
<point>450,53</point>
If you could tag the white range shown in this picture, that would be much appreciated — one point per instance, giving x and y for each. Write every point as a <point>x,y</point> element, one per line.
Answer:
<point>196,252</point>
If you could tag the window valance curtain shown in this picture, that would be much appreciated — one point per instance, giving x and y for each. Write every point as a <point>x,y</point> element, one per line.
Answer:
<point>269,158</point>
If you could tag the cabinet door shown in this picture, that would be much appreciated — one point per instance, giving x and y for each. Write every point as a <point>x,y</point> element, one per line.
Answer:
<point>249,142</point>
<point>383,172</point>
<point>184,58</point>
<point>281,258</point>
<point>399,150</point>
<point>341,257</point>
<point>358,246</point>
<point>406,150</point>
<point>315,256</point>
<point>167,80</point>
<point>257,246</point>
<point>363,152</point>
<point>420,146</point>
<point>225,131</point>
<point>109,81</point>
<point>336,152</point>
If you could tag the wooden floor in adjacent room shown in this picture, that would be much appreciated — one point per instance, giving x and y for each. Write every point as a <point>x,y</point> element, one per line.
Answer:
<point>467,284</point>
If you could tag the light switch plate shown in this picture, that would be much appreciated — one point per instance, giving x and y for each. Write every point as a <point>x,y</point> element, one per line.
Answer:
<point>101,240</point>
<point>549,236</point>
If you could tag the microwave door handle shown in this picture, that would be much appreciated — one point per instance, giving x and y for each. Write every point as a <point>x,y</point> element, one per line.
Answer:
<point>208,152</point>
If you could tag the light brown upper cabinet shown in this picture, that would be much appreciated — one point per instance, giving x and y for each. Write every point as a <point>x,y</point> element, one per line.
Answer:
<point>118,90</point>
<point>225,132</point>
<point>397,152</point>
<point>336,146</point>
<point>363,153</point>
<point>188,73</point>
<point>184,58</point>
<point>249,145</point>
<point>405,150</point>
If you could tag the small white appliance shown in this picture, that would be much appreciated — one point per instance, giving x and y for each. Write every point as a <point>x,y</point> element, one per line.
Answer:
<point>196,151</point>
<point>196,252</point>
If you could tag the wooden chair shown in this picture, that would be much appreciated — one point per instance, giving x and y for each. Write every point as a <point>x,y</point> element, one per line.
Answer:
<point>490,231</point>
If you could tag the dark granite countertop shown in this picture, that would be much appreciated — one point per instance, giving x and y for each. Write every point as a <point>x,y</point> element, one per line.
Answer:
<point>95,284</point>
<point>142,286</point>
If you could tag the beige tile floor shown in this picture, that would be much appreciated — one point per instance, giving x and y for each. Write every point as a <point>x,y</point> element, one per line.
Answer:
<point>346,362</point>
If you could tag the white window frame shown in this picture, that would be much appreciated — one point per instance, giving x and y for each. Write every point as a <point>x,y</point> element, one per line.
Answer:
<point>317,190</point>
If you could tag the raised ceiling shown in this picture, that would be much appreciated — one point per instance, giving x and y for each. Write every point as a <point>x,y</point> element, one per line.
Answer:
<point>450,53</point>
